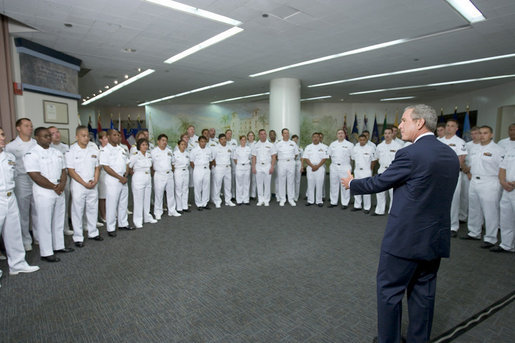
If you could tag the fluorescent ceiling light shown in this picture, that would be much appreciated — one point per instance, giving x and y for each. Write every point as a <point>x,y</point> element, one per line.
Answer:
<point>468,10</point>
<point>399,98</point>
<point>317,98</point>
<point>120,85</point>
<point>213,40</point>
<point>406,71</point>
<point>185,93</point>
<point>240,97</point>
<point>435,84</point>
<point>195,11</point>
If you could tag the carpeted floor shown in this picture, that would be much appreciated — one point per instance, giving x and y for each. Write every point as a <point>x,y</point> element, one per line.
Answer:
<point>243,274</point>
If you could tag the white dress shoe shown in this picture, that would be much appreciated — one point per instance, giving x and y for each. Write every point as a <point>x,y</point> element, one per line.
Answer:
<point>68,232</point>
<point>230,203</point>
<point>174,214</point>
<point>99,224</point>
<point>27,246</point>
<point>26,269</point>
<point>151,221</point>
<point>267,204</point>
<point>259,203</point>
<point>292,203</point>
<point>159,217</point>
<point>217,205</point>
<point>281,203</point>
<point>2,257</point>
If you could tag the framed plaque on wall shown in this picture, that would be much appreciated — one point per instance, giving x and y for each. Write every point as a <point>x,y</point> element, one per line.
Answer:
<point>55,112</point>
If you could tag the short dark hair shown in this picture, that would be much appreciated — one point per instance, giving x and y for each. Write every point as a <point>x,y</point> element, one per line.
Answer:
<point>362,135</point>
<point>38,130</point>
<point>161,136</point>
<point>440,125</point>
<point>222,135</point>
<point>294,136</point>
<point>243,136</point>
<point>228,130</point>
<point>487,127</point>
<point>202,138</point>
<point>81,127</point>
<point>19,121</point>
<point>261,131</point>
<point>282,131</point>
<point>388,128</point>
<point>365,131</point>
<point>454,120</point>
<point>141,141</point>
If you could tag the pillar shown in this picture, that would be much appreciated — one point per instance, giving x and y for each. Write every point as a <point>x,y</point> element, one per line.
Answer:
<point>285,105</point>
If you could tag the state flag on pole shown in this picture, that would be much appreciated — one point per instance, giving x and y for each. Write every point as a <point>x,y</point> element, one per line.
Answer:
<point>355,132</point>
<point>466,127</point>
<point>375,132</point>
<point>384,128</point>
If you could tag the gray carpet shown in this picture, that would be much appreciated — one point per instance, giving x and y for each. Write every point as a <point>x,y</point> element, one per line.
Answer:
<point>243,274</point>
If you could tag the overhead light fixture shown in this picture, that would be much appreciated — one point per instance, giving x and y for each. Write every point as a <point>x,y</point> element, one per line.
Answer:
<point>414,70</point>
<point>211,41</point>
<point>195,11</point>
<point>317,98</point>
<point>120,85</point>
<point>240,97</point>
<point>185,93</point>
<point>467,10</point>
<point>435,84</point>
<point>362,50</point>
<point>399,98</point>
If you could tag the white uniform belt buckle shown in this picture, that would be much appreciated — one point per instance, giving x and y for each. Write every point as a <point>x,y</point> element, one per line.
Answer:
<point>338,164</point>
<point>168,172</point>
<point>262,163</point>
<point>360,168</point>
<point>9,194</point>
<point>227,165</point>
<point>183,169</point>
<point>205,167</point>
<point>146,172</point>
<point>243,164</point>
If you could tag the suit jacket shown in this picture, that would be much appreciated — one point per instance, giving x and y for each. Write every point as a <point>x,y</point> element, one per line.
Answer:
<point>423,176</point>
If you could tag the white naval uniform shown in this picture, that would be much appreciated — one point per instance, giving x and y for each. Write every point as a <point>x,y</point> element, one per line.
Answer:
<point>263,151</point>
<point>506,144</point>
<point>363,157</point>
<point>9,214</point>
<point>23,190</point>
<point>222,173</point>
<point>465,184</point>
<point>507,205</point>
<point>458,145</point>
<point>242,157</point>
<point>340,154</point>
<point>315,153</point>
<point>101,186</point>
<point>117,197</point>
<point>385,153</point>
<point>141,188</point>
<point>298,173</point>
<point>84,200</point>
<point>401,142</point>
<point>212,144</point>
<point>163,181</point>
<point>485,191</point>
<point>64,148</point>
<point>286,153</point>
<point>50,207</point>
<point>233,145</point>
<point>192,143</point>
<point>253,188</point>
<point>181,164</point>
<point>201,158</point>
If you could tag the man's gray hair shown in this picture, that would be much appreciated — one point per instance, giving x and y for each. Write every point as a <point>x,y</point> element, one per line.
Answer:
<point>425,112</point>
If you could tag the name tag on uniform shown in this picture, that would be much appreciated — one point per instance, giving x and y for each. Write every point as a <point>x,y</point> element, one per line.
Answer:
<point>169,154</point>
<point>487,154</point>
<point>229,150</point>
<point>291,144</point>
<point>452,144</point>
<point>11,163</point>
<point>267,147</point>
<point>366,153</point>
<point>393,150</point>
<point>93,156</point>
<point>135,153</point>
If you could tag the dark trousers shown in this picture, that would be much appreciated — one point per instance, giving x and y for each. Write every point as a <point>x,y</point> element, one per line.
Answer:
<point>395,276</point>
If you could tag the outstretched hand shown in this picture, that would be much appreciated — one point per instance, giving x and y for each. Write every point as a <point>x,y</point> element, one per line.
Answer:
<point>346,180</point>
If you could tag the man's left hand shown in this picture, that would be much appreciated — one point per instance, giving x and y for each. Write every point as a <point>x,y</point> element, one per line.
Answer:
<point>346,180</point>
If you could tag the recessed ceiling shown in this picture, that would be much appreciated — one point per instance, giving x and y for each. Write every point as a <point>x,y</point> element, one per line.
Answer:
<point>293,31</point>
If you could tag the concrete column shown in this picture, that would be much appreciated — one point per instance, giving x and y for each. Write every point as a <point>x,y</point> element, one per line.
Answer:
<point>285,105</point>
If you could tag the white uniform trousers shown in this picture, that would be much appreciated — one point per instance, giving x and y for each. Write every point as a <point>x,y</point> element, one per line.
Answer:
<point>117,199</point>
<point>484,196</point>
<point>263,180</point>
<point>298,176</point>
<point>286,177</point>
<point>190,177</point>
<point>381,201</point>
<point>10,230</point>
<point>26,206</point>
<point>50,208</point>
<point>362,200</point>
<point>508,220</point>
<point>242,183</point>
<point>141,192</point>
<point>182,181</point>
<point>68,199</point>
<point>84,201</point>
<point>201,176</point>
<point>455,205</point>
<point>223,174</point>
<point>164,182</point>
<point>464,198</point>
<point>336,172</point>
<point>212,180</point>
<point>233,179</point>
<point>315,185</point>
<point>253,187</point>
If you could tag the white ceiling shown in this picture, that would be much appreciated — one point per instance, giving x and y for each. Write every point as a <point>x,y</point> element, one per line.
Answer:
<point>102,29</point>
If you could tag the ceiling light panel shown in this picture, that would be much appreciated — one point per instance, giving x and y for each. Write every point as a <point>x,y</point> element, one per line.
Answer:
<point>240,97</point>
<point>468,10</point>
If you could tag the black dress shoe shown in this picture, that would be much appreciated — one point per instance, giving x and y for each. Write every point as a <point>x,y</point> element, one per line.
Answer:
<point>64,250</point>
<point>200,208</point>
<point>128,228</point>
<point>309,204</point>
<point>111,233</point>
<point>487,245</point>
<point>376,214</point>
<point>469,238</point>
<point>320,205</point>
<point>51,258</point>
<point>246,204</point>
<point>499,249</point>
<point>344,207</point>
<point>366,211</point>
<point>354,209</point>
<point>331,206</point>
<point>454,234</point>
<point>97,238</point>
<point>79,244</point>
<point>207,207</point>
<point>187,211</point>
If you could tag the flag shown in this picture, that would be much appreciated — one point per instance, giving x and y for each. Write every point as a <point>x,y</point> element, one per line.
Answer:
<point>455,117</point>
<point>80,121</point>
<point>345,126</point>
<point>90,128</point>
<point>441,119</point>
<point>466,127</point>
<point>384,128</point>
<point>122,133</point>
<point>355,132</point>
<point>150,129</point>
<point>99,124</point>
<point>375,132</point>
<point>112,124</point>
<point>365,123</point>
<point>396,122</point>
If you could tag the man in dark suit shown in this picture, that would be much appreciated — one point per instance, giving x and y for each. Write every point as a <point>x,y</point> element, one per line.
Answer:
<point>423,176</point>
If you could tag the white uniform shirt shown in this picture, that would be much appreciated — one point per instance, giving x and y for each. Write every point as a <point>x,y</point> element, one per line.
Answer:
<point>48,162</point>
<point>470,146</point>
<point>287,150</point>
<point>222,154</point>
<point>141,163</point>
<point>264,152</point>
<point>385,153</point>
<point>233,144</point>
<point>162,159</point>
<point>315,153</point>
<point>114,157</point>
<point>8,171</point>
<point>19,148</point>
<point>508,163</point>
<point>485,160</point>
<point>192,143</point>
<point>506,144</point>
<point>63,148</point>
<point>340,152</point>
<point>83,161</point>
<point>455,143</point>
<point>201,157</point>
<point>181,160</point>
<point>242,155</point>
<point>212,143</point>
<point>363,156</point>
<point>400,141</point>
